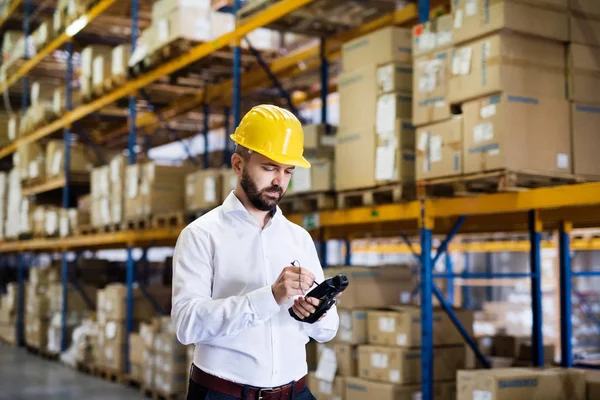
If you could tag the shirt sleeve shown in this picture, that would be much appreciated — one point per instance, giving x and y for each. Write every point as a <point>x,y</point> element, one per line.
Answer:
<point>198,317</point>
<point>326,329</point>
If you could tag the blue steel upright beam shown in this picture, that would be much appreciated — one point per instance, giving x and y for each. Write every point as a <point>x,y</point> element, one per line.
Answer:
<point>424,9</point>
<point>426,306</point>
<point>450,285</point>
<point>130,273</point>
<point>324,83</point>
<point>65,199</point>
<point>237,74</point>
<point>566,326</point>
<point>206,116</point>
<point>535,229</point>
<point>466,290</point>
<point>21,265</point>
<point>489,290</point>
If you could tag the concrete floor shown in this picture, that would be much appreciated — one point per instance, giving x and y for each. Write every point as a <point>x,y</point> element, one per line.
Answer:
<point>25,376</point>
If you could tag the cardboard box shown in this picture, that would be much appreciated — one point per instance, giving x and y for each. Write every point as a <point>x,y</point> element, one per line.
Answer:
<point>358,98</point>
<point>390,108</point>
<point>79,159</point>
<point>526,351</point>
<point>171,383</point>
<point>161,189</point>
<point>399,365</point>
<point>394,77</point>
<point>512,63</point>
<point>521,384</point>
<point>352,327</point>
<point>229,179</point>
<point>183,23</point>
<point>585,8</point>
<point>102,68</point>
<point>165,7</point>
<point>203,189</point>
<point>120,59</point>
<point>401,326</point>
<point>505,132</point>
<point>360,389</point>
<point>384,158</point>
<point>111,302</point>
<point>586,145</point>
<point>583,68</point>
<point>136,349</point>
<point>324,390</point>
<point>430,88</point>
<point>346,356</point>
<point>585,31</point>
<point>386,45</point>
<point>592,385</point>
<point>375,286</point>
<point>477,18</point>
<point>318,178</point>
<point>439,149</point>
<point>88,55</point>
<point>113,355</point>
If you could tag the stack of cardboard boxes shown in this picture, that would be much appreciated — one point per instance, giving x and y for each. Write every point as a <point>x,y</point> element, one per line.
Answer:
<point>95,60</point>
<point>319,151</point>
<point>376,351</point>
<point>375,91</point>
<point>8,314</point>
<point>107,186</point>
<point>152,189</point>
<point>583,70</point>
<point>166,362</point>
<point>112,310</point>
<point>206,189</point>
<point>482,105</point>
<point>37,306</point>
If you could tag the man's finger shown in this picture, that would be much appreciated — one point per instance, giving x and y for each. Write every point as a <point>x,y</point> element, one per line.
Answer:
<point>298,313</point>
<point>301,309</point>
<point>307,306</point>
<point>313,300</point>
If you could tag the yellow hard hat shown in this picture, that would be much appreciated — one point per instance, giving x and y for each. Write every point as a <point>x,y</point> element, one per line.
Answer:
<point>273,132</point>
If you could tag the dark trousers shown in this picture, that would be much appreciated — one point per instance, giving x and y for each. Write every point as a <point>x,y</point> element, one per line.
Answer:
<point>198,392</point>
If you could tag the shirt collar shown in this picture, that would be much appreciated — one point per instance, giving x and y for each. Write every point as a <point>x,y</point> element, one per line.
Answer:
<point>232,203</point>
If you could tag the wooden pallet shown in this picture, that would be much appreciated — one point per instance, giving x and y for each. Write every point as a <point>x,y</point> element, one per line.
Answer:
<point>321,17</point>
<point>109,374</point>
<point>83,230</point>
<point>168,220</point>
<point>307,202</point>
<point>392,193</point>
<point>163,54</point>
<point>491,182</point>
<point>137,223</point>
<point>132,381</point>
<point>84,368</point>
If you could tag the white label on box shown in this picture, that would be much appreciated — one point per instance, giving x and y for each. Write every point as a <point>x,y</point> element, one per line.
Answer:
<point>346,336</point>
<point>562,161</point>
<point>189,189</point>
<point>386,114</point>
<point>379,360</point>
<point>117,60</point>
<point>98,75</point>
<point>443,38</point>
<point>51,222</point>
<point>35,93</point>
<point>108,305</point>
<point>34,170</point>
<point>483,132</point>
<point>111,330</point>
<point>417,396</point>
<point>426,166</point>
<point>163,30</point>
<point>56,163</point>
<point>210,189</point>
<point>301,180</point>
<point>144,188</point>
<point>458,19</point>
<point>325,387</point>
<point>327,365</point>
<point>387,324</point>
<point>385,158</point>
<point>470,7</point>
<point>488,111</point>
<point>423,139</point>
<point>493,152</point>
<point>401,339</point>
<point>149,170</point>
<point>435,149</point>
<point>12,128</point>
<point>56,101</point>
<point>64,226</point>
<point>132,182</point>
<point>385,78</point>
<point>394,375</point>
<point>114,170</point>
<point>482,395</point>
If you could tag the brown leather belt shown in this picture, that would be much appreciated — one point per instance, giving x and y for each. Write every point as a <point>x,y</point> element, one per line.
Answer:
<point>224,386</point>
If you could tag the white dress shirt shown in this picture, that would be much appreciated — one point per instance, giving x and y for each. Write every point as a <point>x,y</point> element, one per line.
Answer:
<point>223,268</point>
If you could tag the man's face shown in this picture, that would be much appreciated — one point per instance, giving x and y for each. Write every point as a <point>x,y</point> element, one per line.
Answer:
<point>264,181</point>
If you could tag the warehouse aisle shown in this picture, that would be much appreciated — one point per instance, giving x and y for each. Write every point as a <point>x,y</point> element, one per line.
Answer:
<point>24,376</point>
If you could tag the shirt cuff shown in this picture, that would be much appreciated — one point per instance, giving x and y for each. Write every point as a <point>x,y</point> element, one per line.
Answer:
<point>263,302</point>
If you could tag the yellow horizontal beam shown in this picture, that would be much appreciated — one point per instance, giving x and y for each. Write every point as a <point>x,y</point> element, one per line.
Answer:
<point>273,13</point>
<point>53,45</point>
<point>54,183</point>
<point>11,9</point>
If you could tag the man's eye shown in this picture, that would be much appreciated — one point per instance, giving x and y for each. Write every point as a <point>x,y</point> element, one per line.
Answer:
<point>269,169</point>
<point>289,172</point>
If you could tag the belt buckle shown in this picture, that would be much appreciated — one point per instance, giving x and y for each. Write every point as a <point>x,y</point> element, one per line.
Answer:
<point>260,392</point>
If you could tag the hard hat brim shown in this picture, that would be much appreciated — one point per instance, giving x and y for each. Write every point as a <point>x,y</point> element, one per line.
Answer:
<point>279,158</point>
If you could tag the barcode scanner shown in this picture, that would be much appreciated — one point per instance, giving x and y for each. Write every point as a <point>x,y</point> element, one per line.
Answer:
<point>326,292</point>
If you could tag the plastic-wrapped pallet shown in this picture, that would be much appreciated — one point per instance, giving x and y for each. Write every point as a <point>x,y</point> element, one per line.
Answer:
<point>13,210</point>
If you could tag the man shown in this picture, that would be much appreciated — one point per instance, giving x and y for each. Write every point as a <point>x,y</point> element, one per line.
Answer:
<point>233,278</point>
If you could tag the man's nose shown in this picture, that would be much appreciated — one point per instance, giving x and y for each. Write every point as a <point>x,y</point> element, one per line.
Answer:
<point>279,177</point>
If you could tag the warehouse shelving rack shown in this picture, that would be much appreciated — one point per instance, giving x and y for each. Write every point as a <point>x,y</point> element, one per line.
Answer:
<point>560,208</point>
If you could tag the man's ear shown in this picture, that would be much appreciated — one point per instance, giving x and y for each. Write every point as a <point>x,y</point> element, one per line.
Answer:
<point>237,163</point>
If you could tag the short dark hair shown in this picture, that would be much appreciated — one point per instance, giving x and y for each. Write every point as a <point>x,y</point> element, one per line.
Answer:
<point>244,152</point>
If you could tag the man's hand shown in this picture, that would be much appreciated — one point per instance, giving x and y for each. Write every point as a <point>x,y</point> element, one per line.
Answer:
<point>293,281</point>
<point>304,306</point>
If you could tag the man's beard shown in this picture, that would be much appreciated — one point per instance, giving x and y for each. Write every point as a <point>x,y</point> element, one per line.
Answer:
<point>256,196</point>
